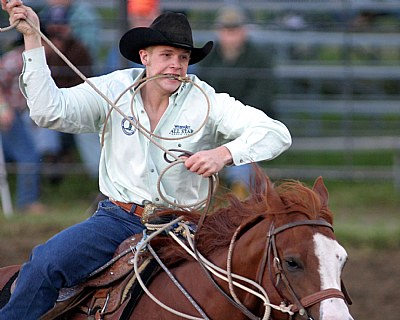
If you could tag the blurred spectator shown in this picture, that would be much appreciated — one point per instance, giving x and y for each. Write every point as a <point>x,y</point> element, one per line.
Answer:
<point>55,146</point>
<point>84,22</point>
<point>18,145</point>
<point>141,13</point>
<point>243,69</point>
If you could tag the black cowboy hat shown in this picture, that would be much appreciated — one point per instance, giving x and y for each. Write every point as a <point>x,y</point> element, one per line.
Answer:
<point>170,29</point>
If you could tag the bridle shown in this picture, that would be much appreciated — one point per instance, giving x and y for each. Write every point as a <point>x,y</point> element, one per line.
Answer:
<point>271,257</point>
<point>269,262</point>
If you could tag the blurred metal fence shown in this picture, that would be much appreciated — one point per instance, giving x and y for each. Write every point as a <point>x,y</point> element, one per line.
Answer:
<point>336,62</point>
<point>337,70</point>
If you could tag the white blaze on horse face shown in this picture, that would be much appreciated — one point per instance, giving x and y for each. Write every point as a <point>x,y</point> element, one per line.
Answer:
<point>332,257</point>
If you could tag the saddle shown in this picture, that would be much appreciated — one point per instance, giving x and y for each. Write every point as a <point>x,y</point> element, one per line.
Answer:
<point>111,292</point>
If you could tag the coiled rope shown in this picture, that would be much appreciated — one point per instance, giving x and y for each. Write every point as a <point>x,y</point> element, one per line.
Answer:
<point>135,122</point>
<point>149,135</point>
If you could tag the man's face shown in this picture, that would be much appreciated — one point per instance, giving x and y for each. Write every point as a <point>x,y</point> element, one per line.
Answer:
<point>232,38</point>
<point>166,60</point>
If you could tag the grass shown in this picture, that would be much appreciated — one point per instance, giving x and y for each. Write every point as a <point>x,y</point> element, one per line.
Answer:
<point>67,204</point>
<point>365,214</point>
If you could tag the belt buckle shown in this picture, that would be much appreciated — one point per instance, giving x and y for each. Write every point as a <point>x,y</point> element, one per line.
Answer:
<point>149,210</point>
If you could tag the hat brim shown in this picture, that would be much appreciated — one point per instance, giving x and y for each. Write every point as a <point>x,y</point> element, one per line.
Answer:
<point>142,37</point>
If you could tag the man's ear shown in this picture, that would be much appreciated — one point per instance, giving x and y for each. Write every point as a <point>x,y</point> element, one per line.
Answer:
<point>144,56</point>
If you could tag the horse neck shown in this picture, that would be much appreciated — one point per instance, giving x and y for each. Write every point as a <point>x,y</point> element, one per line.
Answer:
<point>248,256</point>
<point>253,247</point>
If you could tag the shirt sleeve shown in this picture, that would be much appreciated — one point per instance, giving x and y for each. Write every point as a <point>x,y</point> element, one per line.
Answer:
<point>73,110</point>
<point>252,135</point>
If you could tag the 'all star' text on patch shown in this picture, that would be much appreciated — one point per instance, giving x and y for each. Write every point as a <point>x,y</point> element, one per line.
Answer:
<point>181,130</point>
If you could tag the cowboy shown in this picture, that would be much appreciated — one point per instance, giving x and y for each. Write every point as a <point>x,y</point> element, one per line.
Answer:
<point>176,115</point>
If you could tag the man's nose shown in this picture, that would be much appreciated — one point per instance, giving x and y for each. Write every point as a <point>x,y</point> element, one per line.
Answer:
<point>176,63</point>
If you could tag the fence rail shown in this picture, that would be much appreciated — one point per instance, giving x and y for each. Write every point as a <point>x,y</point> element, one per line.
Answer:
<point>292,106</point>
<point>302,144</point>
<point>345,144</point>
<point>337,107</point>
<point>325,144</point>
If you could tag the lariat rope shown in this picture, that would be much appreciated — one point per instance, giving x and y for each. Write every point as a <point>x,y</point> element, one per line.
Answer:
<point>225,275</point>
<point>135,122</point>
<point>220,273</point>
<point>9,27</point>
<point>177,283</point>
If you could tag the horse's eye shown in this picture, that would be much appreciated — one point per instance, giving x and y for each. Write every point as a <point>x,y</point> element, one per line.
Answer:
<point>292,264</point>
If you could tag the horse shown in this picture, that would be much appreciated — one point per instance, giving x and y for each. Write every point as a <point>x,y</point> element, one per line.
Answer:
<point>276,254</point>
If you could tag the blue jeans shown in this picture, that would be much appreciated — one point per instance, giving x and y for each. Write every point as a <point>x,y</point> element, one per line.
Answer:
<point>67,259</point>
<point>47,141</point>
<point>238,174</point>
<point>19,147</point>
<point>89,148</point>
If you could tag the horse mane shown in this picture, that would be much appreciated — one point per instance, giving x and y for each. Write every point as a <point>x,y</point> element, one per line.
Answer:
<point>280,200</point>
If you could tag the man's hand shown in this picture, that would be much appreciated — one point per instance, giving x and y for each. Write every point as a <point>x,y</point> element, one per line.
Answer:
<point>19,14</point>
<point>3,4</point>
<point>208,162</point>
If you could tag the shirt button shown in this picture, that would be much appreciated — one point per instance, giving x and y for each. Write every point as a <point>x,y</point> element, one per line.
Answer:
<point>151,170</point>
<point>142,111</point>
<point>157,199</point>
<point>241,161</point>
<point>29,59</point>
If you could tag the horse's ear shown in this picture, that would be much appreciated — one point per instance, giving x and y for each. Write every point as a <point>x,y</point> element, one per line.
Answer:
<point>273,197</point>
<point>320,188</point>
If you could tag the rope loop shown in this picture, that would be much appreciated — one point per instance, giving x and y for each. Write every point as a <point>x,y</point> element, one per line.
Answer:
<point>184,153</point>
<point>171,153</point>
<point>13,26</point>
<point>134,122</point>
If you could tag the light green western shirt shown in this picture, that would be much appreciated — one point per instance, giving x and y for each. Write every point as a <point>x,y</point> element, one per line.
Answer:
<point>130,164</point>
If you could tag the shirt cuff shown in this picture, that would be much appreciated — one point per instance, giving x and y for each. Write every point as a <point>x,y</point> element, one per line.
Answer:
<point>238,151</point>
<point>34,59</point>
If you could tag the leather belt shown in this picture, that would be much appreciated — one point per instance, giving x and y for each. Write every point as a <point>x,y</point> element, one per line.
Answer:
<point>130,207</point>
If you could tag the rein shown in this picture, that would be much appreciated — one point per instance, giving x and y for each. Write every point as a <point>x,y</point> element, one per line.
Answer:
<point>225,275</point>
<point>300,304</point>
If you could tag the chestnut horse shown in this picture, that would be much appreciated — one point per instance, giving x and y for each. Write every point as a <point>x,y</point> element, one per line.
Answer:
<point>278,255</point>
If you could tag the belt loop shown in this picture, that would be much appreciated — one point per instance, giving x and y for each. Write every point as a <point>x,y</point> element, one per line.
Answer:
<point>133,209</point>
